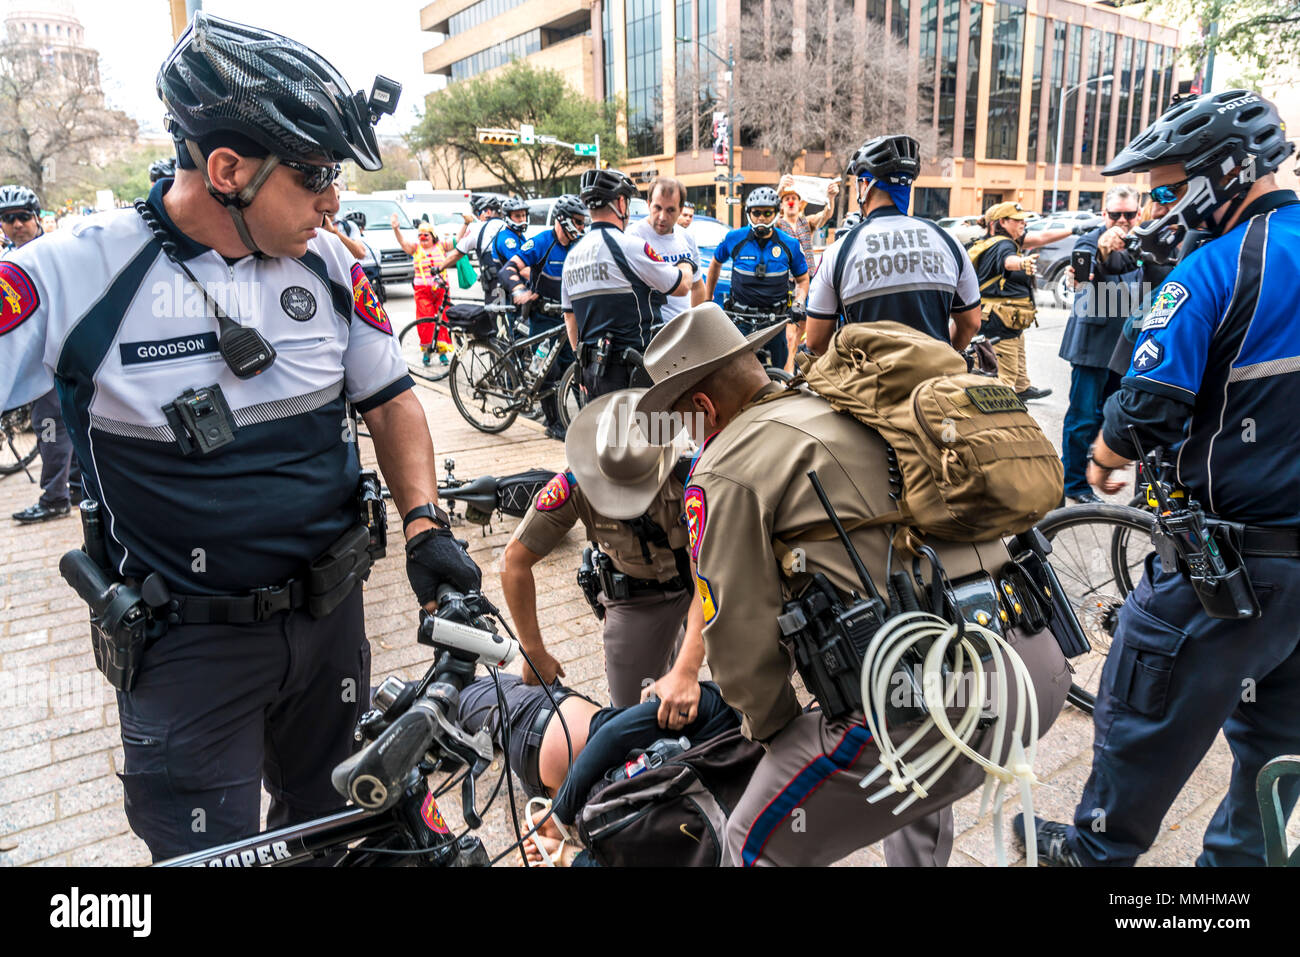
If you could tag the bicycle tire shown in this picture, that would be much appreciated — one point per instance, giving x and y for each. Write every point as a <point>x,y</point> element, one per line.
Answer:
<point>1109,551</point>
<point>484,380</point>
<point>778,375</point>
<point>18,444</point>
<point>408,341</point>
<point>569,398</point>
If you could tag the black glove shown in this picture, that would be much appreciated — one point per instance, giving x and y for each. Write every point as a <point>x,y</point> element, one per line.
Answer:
<point>434,557</point>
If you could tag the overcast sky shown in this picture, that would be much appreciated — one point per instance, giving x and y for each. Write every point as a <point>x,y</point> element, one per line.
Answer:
<point>360,37</point>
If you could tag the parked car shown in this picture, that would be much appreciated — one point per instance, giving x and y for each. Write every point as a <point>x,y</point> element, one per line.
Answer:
<point>964,229</point>
<point>1054,258</point>
<point>395,264</point>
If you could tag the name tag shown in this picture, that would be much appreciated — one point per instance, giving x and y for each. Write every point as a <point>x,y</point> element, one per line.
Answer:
<point>161,350</point>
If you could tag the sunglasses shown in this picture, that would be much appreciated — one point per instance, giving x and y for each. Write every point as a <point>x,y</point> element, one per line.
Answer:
<point>10,218</point>
<point>1126,216</point>
<point>315,179</point>
<point>1168,195</point>
<point>762,214</point>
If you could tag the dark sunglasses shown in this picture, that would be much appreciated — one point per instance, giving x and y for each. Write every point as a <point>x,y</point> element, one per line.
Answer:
<point>315,178</point>
<point>10,218</point>
<point>1168,195</point>
<point>763,213</point>
<point>1126,216</point>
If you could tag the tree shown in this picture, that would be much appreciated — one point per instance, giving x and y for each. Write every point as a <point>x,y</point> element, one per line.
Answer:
<point>827,84</point>
<point>1264,34</point>
<point>398,168</point>
<point>518,93</point>
<point>52,112</point>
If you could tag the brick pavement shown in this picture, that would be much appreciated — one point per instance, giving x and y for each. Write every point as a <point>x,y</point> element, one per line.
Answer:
<point>60,800</point>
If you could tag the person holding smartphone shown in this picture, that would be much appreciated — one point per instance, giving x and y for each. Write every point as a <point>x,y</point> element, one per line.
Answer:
<point>1107,276</point>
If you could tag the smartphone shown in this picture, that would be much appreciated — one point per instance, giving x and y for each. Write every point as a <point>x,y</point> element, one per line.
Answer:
<point>1081,263</point>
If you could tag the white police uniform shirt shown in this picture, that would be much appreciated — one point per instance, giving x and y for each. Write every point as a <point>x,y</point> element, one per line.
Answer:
<point>897,267</point>
<point>610,281</point>
<point>677,246</point>
<point>100,312</point>
<point>480,245</point>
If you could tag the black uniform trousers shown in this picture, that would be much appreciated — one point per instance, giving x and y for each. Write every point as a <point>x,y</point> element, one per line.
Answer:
<point>60,473</point>
<point>220,710</point>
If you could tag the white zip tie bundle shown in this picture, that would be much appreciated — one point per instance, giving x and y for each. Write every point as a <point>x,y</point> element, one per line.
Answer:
<point>887,648</point>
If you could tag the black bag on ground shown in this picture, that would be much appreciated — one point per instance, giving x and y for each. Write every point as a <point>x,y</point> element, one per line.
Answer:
<point>672,815</point>
<point>472,319</point>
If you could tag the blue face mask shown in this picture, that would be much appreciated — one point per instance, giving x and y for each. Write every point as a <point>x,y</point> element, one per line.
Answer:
<point>901,195</point>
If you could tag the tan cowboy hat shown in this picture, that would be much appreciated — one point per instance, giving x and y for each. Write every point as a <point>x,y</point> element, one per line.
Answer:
<point>618,470</point>
<point>694,344</point>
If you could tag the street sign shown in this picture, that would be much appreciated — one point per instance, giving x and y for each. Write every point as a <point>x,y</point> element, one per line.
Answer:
<point>724,178</point>
<point>733,200</point>
<point>526,133</point>
<point>584,149</point>
<point>547,139</point>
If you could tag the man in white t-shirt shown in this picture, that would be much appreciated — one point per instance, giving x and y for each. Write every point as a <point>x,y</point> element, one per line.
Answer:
<point>673,243</point>
<point>478,238</point>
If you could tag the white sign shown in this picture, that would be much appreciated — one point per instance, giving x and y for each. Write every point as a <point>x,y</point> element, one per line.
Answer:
<point>526,133</point>
<point>812,189</point>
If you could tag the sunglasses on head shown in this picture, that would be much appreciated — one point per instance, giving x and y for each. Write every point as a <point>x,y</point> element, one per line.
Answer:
<point>1128,216</point>
<point>1168,195</point>
<point>315,178</point>
<point>10,218</point>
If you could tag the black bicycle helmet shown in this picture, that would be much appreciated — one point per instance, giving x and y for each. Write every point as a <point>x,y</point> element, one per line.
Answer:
<point>762,197</point>
<point>1223,141</point>
<point>227,77</point>
<point>600,187</point>
<point>514,205</point>
<point>894,159</point>
<point>566,208</point>
<point>356,216</point>
<point>19,197</point>
<point>162,169</point>
<point>479,203</point>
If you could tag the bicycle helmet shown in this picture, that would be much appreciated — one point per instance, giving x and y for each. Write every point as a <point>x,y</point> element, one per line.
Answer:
<point>479,204</point>
<point>601,187</point>
<point>514,205</point>
<point>892,159</point>
<point>762,197</point>
<point>162,169</point>
<point>567,207</point>
<point>1224,142</point>
<point>19,197</point>
<point>356,216</point>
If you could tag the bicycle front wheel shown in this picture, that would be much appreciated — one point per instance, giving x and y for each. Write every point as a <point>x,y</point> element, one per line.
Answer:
<point>434,366</point>
<point>569,398</point>
<point>485,386</point>
<point>18,445</point>
<point>1098,552</point>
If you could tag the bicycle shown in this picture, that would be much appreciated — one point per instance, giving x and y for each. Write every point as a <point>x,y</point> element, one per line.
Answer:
<point>411,732</point>
<point>493,379</point>
<point>18,444</point>
<point>409,343</point>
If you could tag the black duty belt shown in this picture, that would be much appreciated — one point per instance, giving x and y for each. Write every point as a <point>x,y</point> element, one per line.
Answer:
<point>641,586</point>
<point>258,605</point>
<point>1265,542</point>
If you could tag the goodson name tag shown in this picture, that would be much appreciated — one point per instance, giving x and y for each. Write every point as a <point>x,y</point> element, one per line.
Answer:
<point>995,398</point>
<point>160,350</point>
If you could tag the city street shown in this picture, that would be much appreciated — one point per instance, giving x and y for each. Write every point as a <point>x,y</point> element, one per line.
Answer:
<point>60,799</point>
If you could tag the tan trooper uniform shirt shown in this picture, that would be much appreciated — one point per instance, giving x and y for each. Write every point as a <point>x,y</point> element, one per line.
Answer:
<point>561,504</point>
<point>749,485</point>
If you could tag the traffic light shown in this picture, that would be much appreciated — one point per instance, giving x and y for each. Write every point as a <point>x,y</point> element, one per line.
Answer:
<point>499,137</point>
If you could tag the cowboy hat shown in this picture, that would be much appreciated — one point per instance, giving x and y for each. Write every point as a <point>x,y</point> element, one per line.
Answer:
<point>617,468</point>
<point>695,343</point>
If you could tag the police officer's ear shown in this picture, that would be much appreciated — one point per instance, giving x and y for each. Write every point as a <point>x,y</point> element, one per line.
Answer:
<point>229,171</point>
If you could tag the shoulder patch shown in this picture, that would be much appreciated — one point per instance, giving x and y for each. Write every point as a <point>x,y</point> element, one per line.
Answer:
<point>366,304</point>
<point>1171,296</point>
<point>1148,355</point>
<point>707,601</point>
<point>693,504</point>
<point>527,247</point>
<point>18,298</point>
<point>650,251</point>
<point>554,493</point>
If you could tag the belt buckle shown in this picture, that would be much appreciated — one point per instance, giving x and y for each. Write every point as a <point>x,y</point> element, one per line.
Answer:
<point>272,599</point>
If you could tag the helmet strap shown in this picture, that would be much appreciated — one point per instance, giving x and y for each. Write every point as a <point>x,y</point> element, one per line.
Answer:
<point>235,203</point>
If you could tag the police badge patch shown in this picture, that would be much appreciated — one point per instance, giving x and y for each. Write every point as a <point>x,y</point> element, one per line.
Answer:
<point>18,298</point>
<point>1171,296</point>
<point>366,304</point>
<point>554,494</point>
<point>298,303</point>
<point>649,251</point>
<point>693,503</point>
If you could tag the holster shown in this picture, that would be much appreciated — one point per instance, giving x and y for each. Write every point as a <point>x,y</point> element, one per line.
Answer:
<point>339,569</point>
<point>589,582</point>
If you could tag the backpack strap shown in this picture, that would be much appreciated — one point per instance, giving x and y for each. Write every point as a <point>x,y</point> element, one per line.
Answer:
<point>979,249</point>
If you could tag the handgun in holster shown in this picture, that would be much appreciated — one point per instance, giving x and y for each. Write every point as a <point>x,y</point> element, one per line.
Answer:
<point>589,582</point>
<point>612,581</point>
<point>600,357</point>
<point>346,563</point>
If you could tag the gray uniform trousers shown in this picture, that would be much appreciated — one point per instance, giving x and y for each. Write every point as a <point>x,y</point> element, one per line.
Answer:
<point>642,635</point>
<point>803,806</point>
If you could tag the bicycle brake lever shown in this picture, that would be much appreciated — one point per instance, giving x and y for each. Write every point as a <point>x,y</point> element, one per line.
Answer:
<point>468,807</point>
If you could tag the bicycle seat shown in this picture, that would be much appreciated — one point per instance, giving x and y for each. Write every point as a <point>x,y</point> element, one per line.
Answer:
<point>481,493</point>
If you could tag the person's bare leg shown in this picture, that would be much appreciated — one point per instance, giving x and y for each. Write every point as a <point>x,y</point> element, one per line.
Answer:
<point>553,760</point>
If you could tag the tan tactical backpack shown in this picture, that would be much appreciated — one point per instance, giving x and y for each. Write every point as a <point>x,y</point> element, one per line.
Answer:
<point>975,465</point>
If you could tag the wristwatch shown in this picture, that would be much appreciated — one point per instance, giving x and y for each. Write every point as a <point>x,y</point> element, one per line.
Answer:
<point>427,510</point>
<point>1092,461</point>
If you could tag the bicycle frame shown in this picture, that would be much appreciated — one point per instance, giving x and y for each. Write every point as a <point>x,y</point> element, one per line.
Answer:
<point>514,349</point>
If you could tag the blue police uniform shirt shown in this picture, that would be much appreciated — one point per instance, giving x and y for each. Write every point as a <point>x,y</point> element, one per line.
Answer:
<point>544,256</point>
<point>1216,370</point>
<point>505,245</point>
<point>100,312</point>
<point>779,255</point>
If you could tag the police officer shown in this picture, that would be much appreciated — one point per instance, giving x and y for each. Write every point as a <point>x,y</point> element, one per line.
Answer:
<point>610,281</point>
<point>766,261</point>
<point>225,463</point>
<point>508,239</point>
<point>478,238</point>
<point>749,486</point>
<point>535,275</point>
<point>162,169</point>
<point>628,497</point>
<point>893,266</point>
<point>1216,372</point>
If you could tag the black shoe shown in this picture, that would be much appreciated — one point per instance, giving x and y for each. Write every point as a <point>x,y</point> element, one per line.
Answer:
<point>1032,393</point>
<point>1053,848</point>
<point>556,431</point>
<point>39,513</point>
<point>1086,498</point>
